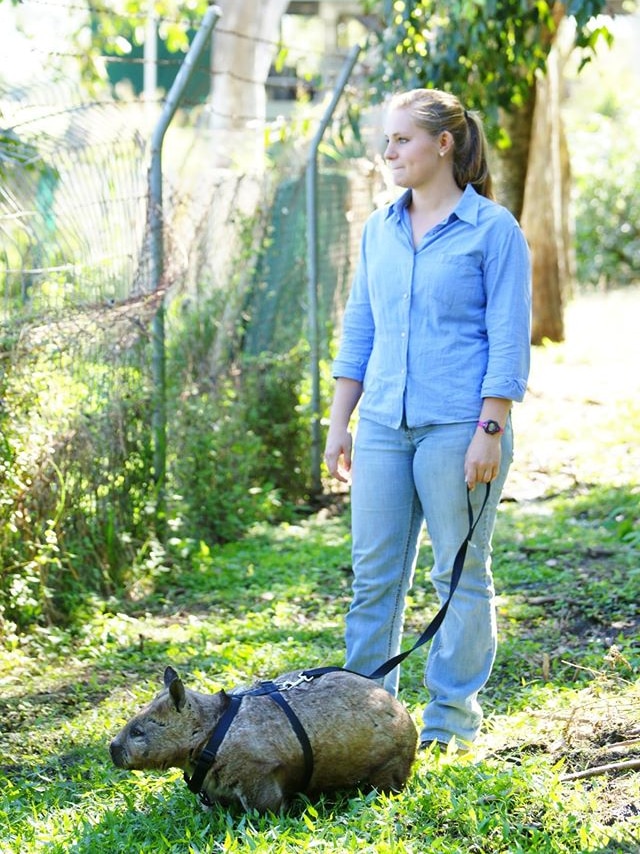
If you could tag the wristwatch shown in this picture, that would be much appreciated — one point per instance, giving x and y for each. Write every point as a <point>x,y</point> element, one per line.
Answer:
<point>491,427</point>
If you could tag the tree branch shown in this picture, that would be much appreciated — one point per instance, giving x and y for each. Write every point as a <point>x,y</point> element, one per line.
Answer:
<point>628,765</point>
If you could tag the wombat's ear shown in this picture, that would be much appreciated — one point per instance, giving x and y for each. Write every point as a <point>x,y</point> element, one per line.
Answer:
<point>176,689</point>
<point>169,676</point>
<point>177,693</point>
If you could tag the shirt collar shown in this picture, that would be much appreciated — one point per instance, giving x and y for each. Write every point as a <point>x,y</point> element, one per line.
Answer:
<point>466,209</point>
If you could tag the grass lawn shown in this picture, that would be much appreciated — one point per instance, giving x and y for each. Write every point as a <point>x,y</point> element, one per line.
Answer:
<point>557,766</point>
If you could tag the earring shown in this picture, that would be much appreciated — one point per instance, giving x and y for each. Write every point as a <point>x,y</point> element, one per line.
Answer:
<point>442,153</point>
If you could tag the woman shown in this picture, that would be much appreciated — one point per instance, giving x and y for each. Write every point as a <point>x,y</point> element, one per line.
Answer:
<point>435,348</point>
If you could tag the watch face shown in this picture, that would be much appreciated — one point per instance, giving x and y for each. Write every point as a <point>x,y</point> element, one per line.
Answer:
<point>492,427</point>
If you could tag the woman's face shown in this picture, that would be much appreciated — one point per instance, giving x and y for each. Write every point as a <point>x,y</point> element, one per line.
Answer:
<point>412,153</point>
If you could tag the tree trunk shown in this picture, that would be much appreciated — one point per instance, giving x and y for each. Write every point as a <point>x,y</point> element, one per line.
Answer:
<point>244,44</point>
<point>512,161</point>
<point>545,217</point>
<point>529,175</point>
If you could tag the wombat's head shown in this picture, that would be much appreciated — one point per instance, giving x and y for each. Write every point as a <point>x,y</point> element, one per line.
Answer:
<point>165,733</point>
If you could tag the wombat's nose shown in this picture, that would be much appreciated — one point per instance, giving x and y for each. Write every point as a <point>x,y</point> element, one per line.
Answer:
<point>116,754</point>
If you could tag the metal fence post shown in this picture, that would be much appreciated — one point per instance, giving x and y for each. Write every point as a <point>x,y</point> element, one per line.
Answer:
<point>312,268</point>
<point>159,414</point>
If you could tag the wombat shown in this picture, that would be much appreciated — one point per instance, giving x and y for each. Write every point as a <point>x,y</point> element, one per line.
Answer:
<point>358,733</point>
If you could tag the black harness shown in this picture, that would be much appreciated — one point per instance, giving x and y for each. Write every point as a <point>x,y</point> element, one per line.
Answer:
<point>270,689</point>
<point>263,689</point>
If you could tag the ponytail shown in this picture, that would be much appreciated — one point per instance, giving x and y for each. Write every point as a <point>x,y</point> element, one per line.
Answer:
<point>470,165</point>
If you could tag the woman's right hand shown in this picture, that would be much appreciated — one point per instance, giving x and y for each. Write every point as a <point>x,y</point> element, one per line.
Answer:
<point>337,454</point>
<point>337,451</point>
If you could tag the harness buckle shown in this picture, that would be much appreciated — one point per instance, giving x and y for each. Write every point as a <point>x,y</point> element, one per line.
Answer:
<point>205,800</point>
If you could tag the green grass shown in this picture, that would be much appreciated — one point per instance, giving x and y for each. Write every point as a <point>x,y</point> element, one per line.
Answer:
<point>564,695</point>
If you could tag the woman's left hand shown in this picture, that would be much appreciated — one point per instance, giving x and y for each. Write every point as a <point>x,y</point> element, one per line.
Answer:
<point>482,460</point>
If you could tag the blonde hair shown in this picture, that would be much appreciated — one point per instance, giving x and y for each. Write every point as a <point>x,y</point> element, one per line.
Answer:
<point>437,111</point>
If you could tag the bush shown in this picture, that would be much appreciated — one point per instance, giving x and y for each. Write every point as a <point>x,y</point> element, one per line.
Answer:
<point>74,489</point>
<point>607,202</point>
<point>240,450</point>
<point>78,494</point>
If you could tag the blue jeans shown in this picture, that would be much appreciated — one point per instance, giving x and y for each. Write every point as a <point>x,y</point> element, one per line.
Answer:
<point>401,478</point>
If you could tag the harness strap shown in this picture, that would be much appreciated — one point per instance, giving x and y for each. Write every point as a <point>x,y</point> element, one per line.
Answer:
<point>208,755</point>
<point>300,731</point>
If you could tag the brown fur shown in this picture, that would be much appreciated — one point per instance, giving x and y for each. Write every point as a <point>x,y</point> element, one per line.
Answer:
<point>360,736</point>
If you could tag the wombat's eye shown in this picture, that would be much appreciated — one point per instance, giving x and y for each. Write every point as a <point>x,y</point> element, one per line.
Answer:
<point>136,732</point>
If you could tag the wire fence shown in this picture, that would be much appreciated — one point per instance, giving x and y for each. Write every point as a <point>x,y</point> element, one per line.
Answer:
<point>74,203</point>
<point>73,226</point>
<point>77,303</point>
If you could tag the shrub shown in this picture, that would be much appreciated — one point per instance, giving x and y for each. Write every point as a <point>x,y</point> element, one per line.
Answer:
<point>240,450</point>
<point>607,202</point>
<point>74,486</point>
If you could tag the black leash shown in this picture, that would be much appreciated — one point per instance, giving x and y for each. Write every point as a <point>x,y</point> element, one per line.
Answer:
<point>456,572</point>
<point>273,691</point>
<point>435,624</point>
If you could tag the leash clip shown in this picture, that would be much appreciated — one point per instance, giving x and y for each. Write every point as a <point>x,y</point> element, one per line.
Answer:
<point>302,678</point>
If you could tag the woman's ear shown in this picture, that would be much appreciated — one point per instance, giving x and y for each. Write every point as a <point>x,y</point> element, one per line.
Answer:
<point>445,142</point>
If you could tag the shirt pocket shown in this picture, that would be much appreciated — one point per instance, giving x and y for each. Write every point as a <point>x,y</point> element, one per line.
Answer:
<point>456,281</point>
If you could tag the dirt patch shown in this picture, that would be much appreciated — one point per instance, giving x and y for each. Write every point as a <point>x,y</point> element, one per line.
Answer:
<point>595,743</point>
<point>587,381</point>
<point>600,749</point>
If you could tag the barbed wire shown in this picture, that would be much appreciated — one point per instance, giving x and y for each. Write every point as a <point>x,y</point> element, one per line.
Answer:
<point>73,6</point>
<point>142,16</point>
<point>206,106</point>
<point>274,82</point>
<point>158,99</point>
<point>170,63</point>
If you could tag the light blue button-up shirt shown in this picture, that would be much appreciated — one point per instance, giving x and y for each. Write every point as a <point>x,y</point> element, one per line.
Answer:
<point>432,330</point>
